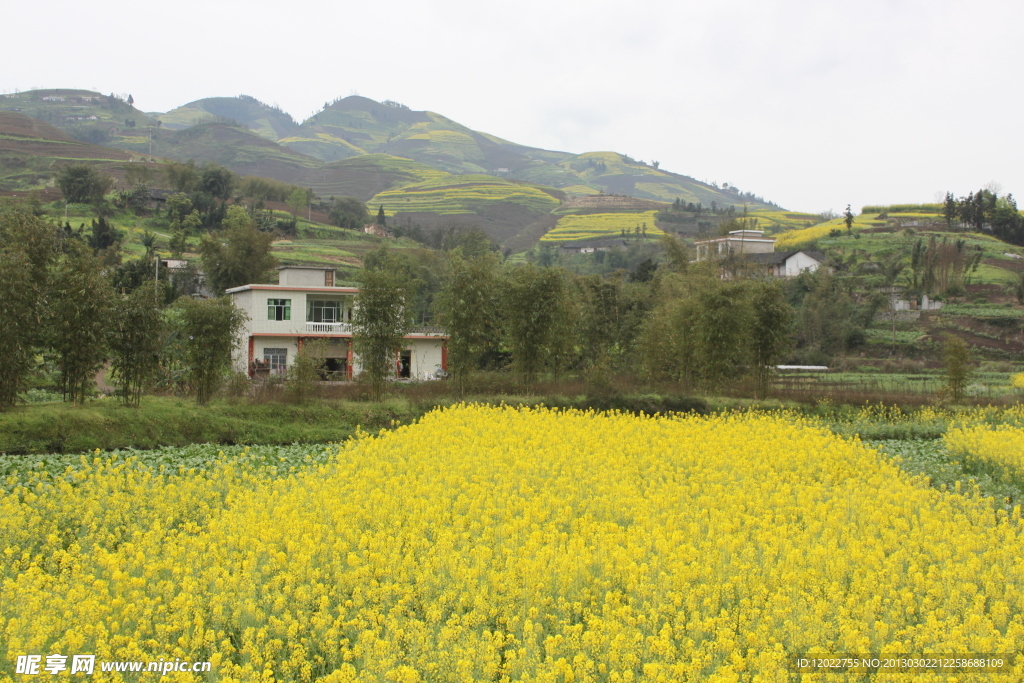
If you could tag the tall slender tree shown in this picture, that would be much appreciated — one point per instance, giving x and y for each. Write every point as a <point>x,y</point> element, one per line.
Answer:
<point>28,248</point>
<point>467,307</point>
<point>82,299</point>
<point>135,337</point>
<point>382,318</point>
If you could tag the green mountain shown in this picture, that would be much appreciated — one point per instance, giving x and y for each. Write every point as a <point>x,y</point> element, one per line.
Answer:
<point>421,166</point>
<point>264,120</point>
<point>85,115</point>
<point>356,125</point>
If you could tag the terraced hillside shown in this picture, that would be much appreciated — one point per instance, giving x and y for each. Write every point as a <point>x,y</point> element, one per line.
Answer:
<point>422,166</point>
<point>32,151</point>
<point>575,227</point>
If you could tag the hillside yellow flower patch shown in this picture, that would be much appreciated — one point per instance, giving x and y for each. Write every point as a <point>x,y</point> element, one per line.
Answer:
<point>500,544</point>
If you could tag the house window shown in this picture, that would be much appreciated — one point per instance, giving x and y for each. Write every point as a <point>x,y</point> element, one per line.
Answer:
<point>276,359</point>
<point>318,311</point>
<point>279,309</point>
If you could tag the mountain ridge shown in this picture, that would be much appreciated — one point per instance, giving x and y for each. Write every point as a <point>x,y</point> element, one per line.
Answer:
<point>428,167</point>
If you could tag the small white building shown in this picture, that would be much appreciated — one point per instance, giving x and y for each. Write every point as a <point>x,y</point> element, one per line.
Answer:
<point>787,263</point>
<point>306,306</point>
<point>749,252</point>
<point>735,243</point>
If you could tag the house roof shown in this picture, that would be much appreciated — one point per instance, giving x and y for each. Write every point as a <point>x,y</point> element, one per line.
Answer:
<point>779,257</point>
<point>296,288</point>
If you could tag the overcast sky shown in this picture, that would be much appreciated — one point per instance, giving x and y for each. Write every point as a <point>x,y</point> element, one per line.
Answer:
<point>811,104</point>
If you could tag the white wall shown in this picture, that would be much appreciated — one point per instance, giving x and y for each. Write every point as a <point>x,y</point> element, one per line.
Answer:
<point>799,262</point>
<point>303,277</point>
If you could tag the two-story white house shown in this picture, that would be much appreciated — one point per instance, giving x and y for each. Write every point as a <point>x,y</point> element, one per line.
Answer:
<point>306,306</point>
<point>750,252</point>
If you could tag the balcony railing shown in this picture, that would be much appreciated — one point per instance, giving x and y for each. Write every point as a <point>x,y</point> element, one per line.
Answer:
<point>329,328</point>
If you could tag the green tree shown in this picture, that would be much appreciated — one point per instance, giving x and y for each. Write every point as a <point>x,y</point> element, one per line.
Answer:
<point>148,241</point>
<point>381,321</point>
<point>216,181</point>
<point>467,308</point>
<point>104,235</point>
<point>956,359</point>
<point>82,183</point>
<point>536,329</point>
<point>208,331</point>
<point>182,177</point>
<point>349,213</point>
<point>848,219</point>
<point>297,200</point>
<point>28,248</point>
<point>722,320</point>
<point>381,218</point>
<point>949,209</point>
<point>304,374</point>
<point>178,206</point>
<point>181,230</point>
<point>769,332</point>
<point>135,338</point>
<point>238,255</point>
<point>82,299</point>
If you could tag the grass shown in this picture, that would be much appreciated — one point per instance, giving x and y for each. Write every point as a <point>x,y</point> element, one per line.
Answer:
<point>165,421</point>
<point>600,225</point>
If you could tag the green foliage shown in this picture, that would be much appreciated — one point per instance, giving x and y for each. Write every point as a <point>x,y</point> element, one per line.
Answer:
<point>82,183</point>
<point>239,255</point>
<point>297,200</point>
<point>182,177</point>
<point>136,337</point>
<point>769,332</point>
<point>27,250</point>
<point>178,206</point>
<point>181,229</point>
<point>80,311</point>
<point>104,235</point>
<point>956,357</point>
<point>382,319</point>
<point>467,308</point>
<point>828,317</point>
<point>349,213</point>
<point>305,372</point>
<point>705,332</point>
<point>216,181</point>
<point>162,422</point>
<point>537,327</point>
<point>208,333</point>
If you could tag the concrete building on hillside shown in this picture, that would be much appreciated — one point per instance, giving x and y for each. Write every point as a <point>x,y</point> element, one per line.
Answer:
<point>735,243</point>
<point>306,306</point>
<point>786,263</point>
<point>749,253</point>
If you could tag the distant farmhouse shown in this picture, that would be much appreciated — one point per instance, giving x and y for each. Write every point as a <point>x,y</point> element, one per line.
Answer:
<point>591,246</point>
<point>750,252</point>
<point>306,306</point>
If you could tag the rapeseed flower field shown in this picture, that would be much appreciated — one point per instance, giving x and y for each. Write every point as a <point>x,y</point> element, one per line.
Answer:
<point>998,450</point>
<point>501,544</point>
<point>601,225</point>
